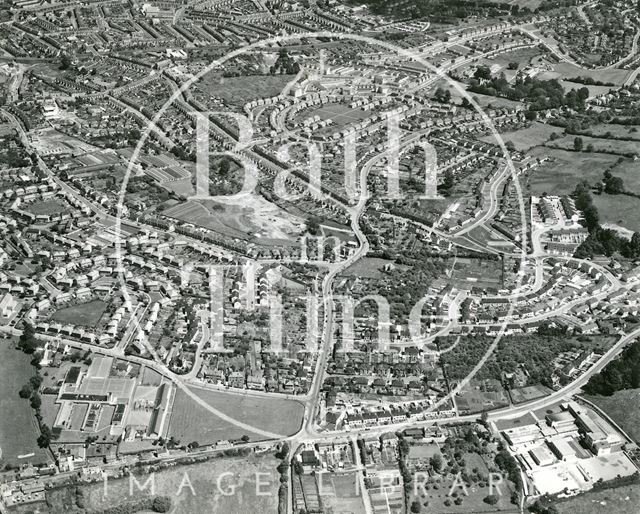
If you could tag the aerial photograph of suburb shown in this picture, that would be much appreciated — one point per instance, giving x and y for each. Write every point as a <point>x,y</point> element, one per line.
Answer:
<point>319,256</point>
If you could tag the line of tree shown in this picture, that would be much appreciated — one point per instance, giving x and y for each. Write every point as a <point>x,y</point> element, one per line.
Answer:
<point>539,94</point>
<point>602,241</point>
<point>622,373</point>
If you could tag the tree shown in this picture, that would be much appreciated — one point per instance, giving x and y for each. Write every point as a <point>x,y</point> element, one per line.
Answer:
<point>26,391</point>
<point>436,462</point>
<point>45,436</point>
<point>614,185</point>
<point>27,342</point>
<point>245,438</point>
<point>416,507</point>
<point>492,499</point>
<point>313,226</point>
<point>161,504</point>
<point>578,143</point>
<point>224,167</point>
<point>65,62</point>
<point>442,95</point>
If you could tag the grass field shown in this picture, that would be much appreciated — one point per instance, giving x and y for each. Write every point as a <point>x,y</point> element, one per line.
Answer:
<point>18,431</point>
<point>619,210</point>
<point>565,70</point>
<point>240,90</point>
<point>599,145</point>
<point>50,207</point>
<point>85,314</point>
<point>203,477</point>
<point>624,408</point>
<point>535,135</point>
<point>369,267</point>
<point>191,422</point>
<point>341,115</point>
<point>567,169</point>
<point>622,500</point>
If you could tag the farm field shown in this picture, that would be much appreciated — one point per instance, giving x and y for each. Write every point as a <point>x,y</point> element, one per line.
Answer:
<point>18,430</point>
<point>524,139</point>
<point>599,145</point>
<point>624,408</point>
<point>191,422</point>
<point>619,210</point>
<point>621,500</point>
<point>566,170</point>
<point>239,477</point>
<point>85,314</point>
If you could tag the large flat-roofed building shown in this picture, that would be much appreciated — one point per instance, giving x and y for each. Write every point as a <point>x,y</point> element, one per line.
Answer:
<point>600,437</point>
<point>523,434</point>
<point>562,421</point>
<point>562,449</point>
<point>542,456</point>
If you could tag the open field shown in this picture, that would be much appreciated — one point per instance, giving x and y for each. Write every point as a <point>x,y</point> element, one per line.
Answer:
<point>623,131</point>
<point>565,70</point>
<point>535,135</point>
<point>191,422</point>
<point>240,90</point>
<point>341,115</point>
<point>85,314</point>
<point>622,500</point>
<point>567,169</point>
<point>369,267</point>
<point>253,217</point>
<point>18,429</point>
<point>50,207</point>
<point>599,145</point>
<point>619,210</point>
<point>236,476</point>
<point>624,408</point>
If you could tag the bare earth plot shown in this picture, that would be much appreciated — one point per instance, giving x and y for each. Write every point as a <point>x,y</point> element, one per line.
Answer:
<point>191,422</point>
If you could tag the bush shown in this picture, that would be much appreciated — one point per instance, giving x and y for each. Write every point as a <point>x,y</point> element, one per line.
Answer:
<point>161,504</point>
<point>492,499</point>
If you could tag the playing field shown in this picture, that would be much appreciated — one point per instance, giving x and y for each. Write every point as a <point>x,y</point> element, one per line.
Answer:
<point>84,314</point>
<point>18,430</point>
<point>191,422</point>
